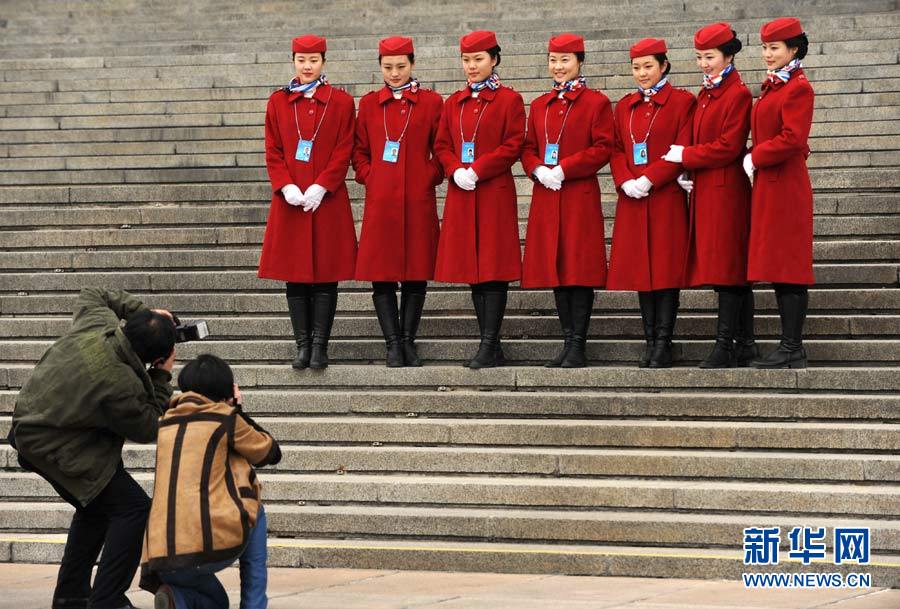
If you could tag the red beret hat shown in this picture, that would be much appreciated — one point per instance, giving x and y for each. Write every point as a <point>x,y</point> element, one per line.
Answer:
<point>308,44</point>
<point>780,29</point>
<point>649,46</point>
<point>480,40</point>
<point>712,36</point>
<point>396,45</point>
<point>566,43</point>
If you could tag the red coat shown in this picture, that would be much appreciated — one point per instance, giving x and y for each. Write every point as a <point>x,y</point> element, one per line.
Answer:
<point>781,226</point>
<point>480,231</point>
<point>319,246</point>
<point>720,202</point>
<point>400,224</point>
<point>565,243</point>
<point>650,235</point>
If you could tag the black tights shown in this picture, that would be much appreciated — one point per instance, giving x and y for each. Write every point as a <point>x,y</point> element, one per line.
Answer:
<point>305,290</point>
<point>407,287</point>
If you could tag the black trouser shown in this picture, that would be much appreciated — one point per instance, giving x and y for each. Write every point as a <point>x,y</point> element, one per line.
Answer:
<point>114,522</point>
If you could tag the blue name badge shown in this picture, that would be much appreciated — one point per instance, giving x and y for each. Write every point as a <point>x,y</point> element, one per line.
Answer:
<point>551,155</point>
<point>304,151</point>
<point>640,154</point>
<point>468,152</point>
<point>391,152</point>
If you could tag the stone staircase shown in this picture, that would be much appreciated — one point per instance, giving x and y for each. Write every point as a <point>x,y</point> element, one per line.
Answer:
<point>131,156</point>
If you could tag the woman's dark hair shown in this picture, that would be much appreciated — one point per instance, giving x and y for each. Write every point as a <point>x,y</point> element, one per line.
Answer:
<point>209,376</point>
<point>494,52</point>
<point>410,56</point>
<point>151,335</point>
<point>732,47</point>
<point>579,55</point>
<point>662,57</point>
<point>801,43</point>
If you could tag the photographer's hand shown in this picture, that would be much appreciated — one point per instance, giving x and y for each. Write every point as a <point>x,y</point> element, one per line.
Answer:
<point>166,365</point>
<point>164,312</point>
<point>237,396</point>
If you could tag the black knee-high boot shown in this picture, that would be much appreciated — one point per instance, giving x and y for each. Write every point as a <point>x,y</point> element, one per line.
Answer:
<point>582,305</point>
<point>793,302</point>
<point>745,348</point>
<point>299,299</point>
<point>722,355</point>
<point>647,302</point>
<point>385,299</point>
<point>412,301</point>
<point>478,305</point>
<point>563,297</point>
<point>666,313</point>
<point>324,305</point>
<point>494,308</point>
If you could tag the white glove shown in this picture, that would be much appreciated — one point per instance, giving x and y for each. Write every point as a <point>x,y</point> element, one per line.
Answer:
<point>463,180</point>
<point>313,198</point>
<point>293,195</point>
<point>559,174</point>
<point>686,183</point>
<point>472,175</point>
<point>675,154</point>
<point>643,184</point>
<point>545,176</point>
<point>748,166</point>
<point>630,188</point>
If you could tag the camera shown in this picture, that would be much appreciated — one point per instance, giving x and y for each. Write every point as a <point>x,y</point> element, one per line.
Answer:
<point>190,331</point>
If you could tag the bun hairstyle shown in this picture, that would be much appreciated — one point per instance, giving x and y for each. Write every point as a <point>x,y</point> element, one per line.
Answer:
<point>662,57</point>
<point>732,47</point>
<point>801,43</point>
<point>494,52</point>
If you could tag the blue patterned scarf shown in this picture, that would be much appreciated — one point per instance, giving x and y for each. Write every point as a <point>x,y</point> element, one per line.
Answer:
<point>492,83</point>
<point>412,86</point>
<point>655,88</point>
<point>295,87</point>
<point>781,75</point>
<point>714,82</point>
<point>570,85</point>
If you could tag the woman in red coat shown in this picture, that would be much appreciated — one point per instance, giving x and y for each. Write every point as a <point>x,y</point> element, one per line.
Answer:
<point>781,227</point>
<point>720,199</point>
<point>651,230</point>
<point>310,241</point>
<point>570,138</point>
<point>479,242</point>
<point>395,132</point>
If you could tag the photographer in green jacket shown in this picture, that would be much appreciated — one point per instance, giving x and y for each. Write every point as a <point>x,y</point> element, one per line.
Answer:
<point>100,384</point>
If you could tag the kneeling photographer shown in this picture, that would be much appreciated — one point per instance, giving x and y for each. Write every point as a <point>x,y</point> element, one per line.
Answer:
<point>91,391</point>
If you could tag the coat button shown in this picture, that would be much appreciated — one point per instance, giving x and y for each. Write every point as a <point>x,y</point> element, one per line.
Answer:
<point>403,102</point>
<point>403,112</point>
<point>564,102</point>
<point>476,110</point>
<point>312,111</point>
<point>561,112</point>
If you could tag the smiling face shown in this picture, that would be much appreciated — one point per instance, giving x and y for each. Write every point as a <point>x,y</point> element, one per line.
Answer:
<point>396,69</point>
<point>647,70</point>
<point>712,61</point>
<point>563,67</point>
<point>478,66</point>
<point>308,66</point>
<point>777,54</point>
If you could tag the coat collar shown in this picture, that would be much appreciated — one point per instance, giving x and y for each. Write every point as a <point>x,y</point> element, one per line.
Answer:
<point>485,94</point>
<point>385,95</point>
<point>189,397</point>
<point>321,95</point>
<point>572,95</point>
<point>659,99</point>
<point>719,91</point>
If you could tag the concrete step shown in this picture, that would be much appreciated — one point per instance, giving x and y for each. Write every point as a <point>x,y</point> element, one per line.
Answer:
<point>518,351</point>
<point>637,433</point>
<point>453,300</point>
<point>855,274</point>
<point>523,326</point>
<point>535,492</point>
<point>247,258</point>
<point>586,403</point>
<point>578,463</point>
<point>509,525</point>
<point>583,559</point>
